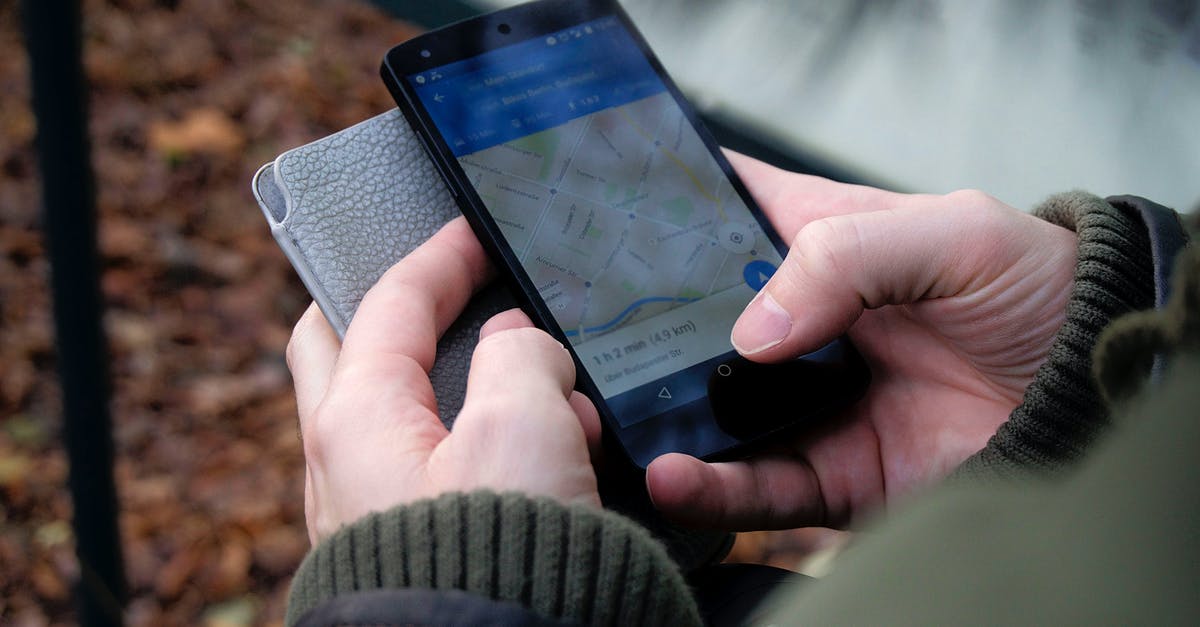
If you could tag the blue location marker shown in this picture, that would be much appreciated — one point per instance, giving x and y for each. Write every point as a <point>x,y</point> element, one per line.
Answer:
<point>757,273</point>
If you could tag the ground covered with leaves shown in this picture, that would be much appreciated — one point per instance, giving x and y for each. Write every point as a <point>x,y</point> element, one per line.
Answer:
<point>188,98</point>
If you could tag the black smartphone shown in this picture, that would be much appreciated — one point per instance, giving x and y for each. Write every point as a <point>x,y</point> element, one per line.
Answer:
<point>623,229</point>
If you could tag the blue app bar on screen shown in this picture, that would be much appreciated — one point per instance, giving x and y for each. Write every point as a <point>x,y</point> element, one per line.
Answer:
<point>534,85</point>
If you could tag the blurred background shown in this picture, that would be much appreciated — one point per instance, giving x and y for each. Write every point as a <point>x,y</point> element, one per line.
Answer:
<point>189,97</point>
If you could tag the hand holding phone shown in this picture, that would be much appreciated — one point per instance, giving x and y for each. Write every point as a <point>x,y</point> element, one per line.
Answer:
<point>373,438</point>
<point>622,228</point>
<point>955,300</point>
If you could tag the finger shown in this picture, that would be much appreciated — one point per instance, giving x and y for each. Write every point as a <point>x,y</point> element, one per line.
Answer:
<point>518,362</point>
<point>583,407</point>
<point>511,319</point>
<point>386,407</point>
<point>396,328</point>
<point>517,418</point>
<point>790,200</point>
<point>589,419</point>
<point>763,493</point>
<point>840,265</point>
<point>311,354</point>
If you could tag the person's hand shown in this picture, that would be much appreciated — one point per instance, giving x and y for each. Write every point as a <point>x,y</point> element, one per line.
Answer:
<point>953,300</point>
<point>368,418</point>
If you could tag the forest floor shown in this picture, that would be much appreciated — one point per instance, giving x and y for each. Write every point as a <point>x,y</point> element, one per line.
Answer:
<point>187,99</point>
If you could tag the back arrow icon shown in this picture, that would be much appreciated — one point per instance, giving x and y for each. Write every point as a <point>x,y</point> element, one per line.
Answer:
<point>438,97</point>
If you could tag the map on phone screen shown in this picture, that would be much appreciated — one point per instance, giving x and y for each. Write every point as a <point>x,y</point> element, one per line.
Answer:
<point>605,248</point>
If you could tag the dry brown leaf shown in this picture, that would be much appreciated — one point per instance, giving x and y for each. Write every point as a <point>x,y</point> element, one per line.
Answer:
<point>47,582</point>
<point>176,573</point>
<point>231,571</point>
<point>279,550</point>
<point>204,130</point>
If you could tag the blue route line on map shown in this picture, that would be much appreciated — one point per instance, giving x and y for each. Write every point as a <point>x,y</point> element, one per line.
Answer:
<point>625,312</point>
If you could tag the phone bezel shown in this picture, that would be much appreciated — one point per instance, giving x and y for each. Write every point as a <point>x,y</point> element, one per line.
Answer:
<point>482,34</point>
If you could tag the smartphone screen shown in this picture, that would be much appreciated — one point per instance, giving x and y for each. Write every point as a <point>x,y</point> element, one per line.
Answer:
<point>623,219</point>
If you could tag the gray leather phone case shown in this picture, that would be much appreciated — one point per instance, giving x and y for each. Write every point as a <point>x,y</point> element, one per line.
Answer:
<point>347,207</point>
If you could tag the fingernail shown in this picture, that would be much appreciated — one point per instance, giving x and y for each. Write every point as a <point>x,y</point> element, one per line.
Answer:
<point>763,325</point>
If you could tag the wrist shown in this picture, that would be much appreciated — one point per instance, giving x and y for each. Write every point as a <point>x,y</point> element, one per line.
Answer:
<point>1062,411</point>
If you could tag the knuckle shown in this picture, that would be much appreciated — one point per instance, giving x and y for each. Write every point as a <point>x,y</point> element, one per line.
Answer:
<point>508,319</point>
<point>314,435</point>
<point>408,281</point>
<point>526,341</point>
<point>394,278</point>
<point>396,287</point>
<point>492,416</point>
<point>302,329</point>
<point>971,199</point>
<point>822,247</point>
<point>986,213</point>
<point>528,358</point>
<point>291,352</point>
<point>488,420</point>
<point>499,341</point>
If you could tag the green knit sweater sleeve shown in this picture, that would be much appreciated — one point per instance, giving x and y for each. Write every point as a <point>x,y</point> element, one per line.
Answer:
<point>1062,411</point>
<point>573,563</point>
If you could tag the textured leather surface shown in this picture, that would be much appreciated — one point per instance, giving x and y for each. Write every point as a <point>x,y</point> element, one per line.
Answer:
<point>355,203</point>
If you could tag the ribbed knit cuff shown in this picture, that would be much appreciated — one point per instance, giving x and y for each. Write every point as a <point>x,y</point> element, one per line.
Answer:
<point>564,562</point>
<point>1062,411</point>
